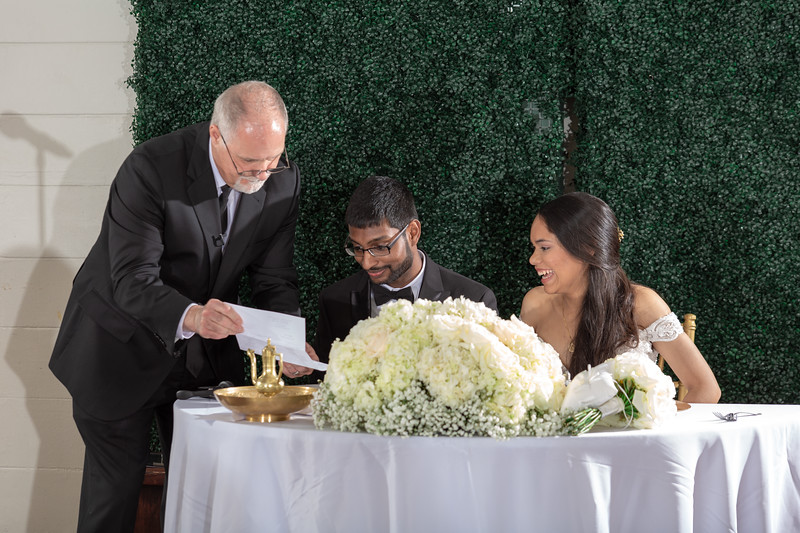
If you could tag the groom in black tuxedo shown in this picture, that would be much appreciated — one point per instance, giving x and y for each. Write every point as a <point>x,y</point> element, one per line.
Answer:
<point>187,214</point>
<point>383,234</point>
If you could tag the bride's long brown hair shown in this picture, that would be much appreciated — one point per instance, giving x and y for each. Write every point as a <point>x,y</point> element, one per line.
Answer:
<point>587,228</point>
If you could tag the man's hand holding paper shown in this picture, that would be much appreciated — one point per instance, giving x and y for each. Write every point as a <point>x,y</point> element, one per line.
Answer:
<point>287,333</point>
<point>214,320</point>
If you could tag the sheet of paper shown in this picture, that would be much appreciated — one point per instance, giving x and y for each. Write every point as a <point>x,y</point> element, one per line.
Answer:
<point>287,333</point>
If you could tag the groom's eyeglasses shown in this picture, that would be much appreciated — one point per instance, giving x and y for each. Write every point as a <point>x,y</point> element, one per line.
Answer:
<point>376,251</point>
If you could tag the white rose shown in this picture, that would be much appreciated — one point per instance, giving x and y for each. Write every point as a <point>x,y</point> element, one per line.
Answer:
<point>591,388</point>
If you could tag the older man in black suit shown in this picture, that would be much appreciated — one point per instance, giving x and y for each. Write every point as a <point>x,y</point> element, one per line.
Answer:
<point>187,214</point>
<point>383,234</point>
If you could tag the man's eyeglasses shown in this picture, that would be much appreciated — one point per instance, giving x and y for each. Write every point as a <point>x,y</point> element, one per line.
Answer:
<point>375,251</point>
<point>256,173</point>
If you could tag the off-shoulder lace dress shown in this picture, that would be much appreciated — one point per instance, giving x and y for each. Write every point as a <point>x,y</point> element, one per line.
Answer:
<point>666,328</point>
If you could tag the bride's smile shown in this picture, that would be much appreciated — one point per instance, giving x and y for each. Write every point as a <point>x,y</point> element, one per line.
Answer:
<point>558,270</point>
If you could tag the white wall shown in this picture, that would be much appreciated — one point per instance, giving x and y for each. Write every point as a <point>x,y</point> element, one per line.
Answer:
<point>65,114</point>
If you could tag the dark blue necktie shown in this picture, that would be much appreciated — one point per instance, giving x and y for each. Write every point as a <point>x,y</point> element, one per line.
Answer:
<point>223,208</point>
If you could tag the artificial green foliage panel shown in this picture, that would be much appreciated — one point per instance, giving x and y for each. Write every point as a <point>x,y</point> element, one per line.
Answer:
<point>462,101</point>
<point>689,114</point>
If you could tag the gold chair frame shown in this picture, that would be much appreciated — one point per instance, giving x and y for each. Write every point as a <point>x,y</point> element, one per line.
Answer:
<point>689,327</point>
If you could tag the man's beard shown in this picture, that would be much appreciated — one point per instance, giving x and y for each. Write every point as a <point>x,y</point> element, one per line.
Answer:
<point>247,186</point>
<point>396,273</point>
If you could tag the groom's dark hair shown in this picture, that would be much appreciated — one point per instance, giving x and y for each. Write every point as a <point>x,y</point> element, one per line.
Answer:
<point>379,198</point>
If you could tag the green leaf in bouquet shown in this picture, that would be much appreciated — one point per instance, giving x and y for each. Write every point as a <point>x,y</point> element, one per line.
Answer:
<point>627,386</point>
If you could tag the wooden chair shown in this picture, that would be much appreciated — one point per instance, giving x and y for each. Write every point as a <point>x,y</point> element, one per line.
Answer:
<point>689,327</point>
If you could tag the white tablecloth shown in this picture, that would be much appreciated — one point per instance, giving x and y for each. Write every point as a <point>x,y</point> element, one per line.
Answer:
<point>695,474</point>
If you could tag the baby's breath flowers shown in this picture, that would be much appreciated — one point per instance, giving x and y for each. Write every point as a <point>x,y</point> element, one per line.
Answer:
<point>442,368</point>
<point>455,368</point>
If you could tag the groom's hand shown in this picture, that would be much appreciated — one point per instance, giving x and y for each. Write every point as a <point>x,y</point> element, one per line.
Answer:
<point>296,371</point>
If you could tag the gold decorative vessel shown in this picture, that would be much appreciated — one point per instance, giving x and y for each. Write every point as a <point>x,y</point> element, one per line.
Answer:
<point>257,407</point>
<point>267,400</point>
<point>269,382</point>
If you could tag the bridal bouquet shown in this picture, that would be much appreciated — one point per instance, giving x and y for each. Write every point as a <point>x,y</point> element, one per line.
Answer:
<point>628,390</point>
<point>456,368</point>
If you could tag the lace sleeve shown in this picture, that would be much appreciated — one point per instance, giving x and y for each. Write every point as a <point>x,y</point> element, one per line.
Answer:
<point>666,328</point>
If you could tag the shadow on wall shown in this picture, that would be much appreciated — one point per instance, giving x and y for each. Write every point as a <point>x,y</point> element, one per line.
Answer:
<point>15,127</point>
<point>55,488</point>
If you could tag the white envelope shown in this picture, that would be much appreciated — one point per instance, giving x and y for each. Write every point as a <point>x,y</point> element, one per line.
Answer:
<point>287,333</point>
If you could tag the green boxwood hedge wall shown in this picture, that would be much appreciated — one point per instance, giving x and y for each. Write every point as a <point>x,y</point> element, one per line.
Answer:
<point>687,114</point>
<point>459,100</point>
<point>689,130</point>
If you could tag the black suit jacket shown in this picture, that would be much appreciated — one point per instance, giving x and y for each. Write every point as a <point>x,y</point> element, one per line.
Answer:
<point>346,302</point>
<point>155,255</point>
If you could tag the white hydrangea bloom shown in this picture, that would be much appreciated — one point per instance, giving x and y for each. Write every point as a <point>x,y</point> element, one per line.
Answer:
<point>478,373</point>
<point>456,368</point>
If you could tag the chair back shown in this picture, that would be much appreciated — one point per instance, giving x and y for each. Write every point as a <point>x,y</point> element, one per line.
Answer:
<point>689,327</point>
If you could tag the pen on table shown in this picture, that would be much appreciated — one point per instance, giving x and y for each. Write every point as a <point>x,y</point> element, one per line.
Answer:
<point>202,393</point>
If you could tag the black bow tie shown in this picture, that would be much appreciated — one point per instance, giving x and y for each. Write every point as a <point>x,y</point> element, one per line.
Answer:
<point>383,295</point>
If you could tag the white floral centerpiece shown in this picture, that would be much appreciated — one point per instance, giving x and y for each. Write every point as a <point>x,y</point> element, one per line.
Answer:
<point>447,368</point>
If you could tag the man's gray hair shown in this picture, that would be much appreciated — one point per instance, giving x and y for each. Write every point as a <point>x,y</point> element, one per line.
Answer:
<point>247,99</point>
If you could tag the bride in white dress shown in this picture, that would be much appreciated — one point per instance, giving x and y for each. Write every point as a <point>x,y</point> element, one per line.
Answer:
<point>589,310</point>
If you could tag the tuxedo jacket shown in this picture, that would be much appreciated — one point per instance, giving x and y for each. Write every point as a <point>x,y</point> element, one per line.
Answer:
<point>158,251</point>
<point>346,302</point>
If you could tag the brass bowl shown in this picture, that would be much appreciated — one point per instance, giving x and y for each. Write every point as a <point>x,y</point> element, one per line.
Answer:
<point>257,407</point>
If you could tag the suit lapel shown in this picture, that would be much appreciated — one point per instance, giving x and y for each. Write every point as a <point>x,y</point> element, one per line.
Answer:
<point>202,193</point>
<point>359,299</point>
<point>245,222</point>
<point>432,288</point>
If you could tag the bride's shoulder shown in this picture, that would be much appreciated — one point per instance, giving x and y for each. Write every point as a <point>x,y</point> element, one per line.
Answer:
<point>648,306</point>
<point>535,296</point>
<point>533,303</point>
